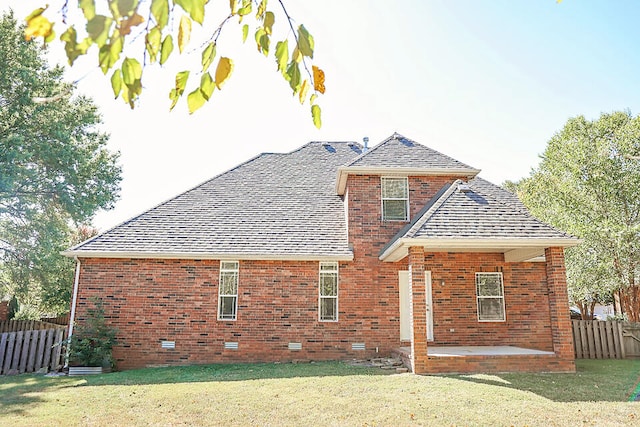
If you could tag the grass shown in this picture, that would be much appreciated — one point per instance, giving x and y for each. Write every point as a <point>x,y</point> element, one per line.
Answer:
<point>318,394</point>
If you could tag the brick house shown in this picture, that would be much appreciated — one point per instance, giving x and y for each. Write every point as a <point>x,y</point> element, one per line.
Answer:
<point>336,251</point>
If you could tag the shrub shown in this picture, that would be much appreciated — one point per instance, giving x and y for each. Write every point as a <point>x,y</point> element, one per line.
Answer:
<point>92,342</point>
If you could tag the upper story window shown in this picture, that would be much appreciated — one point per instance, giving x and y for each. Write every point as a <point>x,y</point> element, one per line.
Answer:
<point>228,290</point>
<point>490,296</point>
<point>395,199</point>
<point>328,292</point>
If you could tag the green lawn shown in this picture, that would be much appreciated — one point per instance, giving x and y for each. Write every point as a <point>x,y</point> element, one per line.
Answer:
<point>320,394</point>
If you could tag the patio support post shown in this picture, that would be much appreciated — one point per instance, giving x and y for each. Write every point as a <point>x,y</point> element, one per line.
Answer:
<point>418,310</point>
<point>559,305</point>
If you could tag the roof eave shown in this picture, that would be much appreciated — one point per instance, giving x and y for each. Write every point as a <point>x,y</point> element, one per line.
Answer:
<point>521,248</point>
<point>345,171</point>
<point>207,256</point>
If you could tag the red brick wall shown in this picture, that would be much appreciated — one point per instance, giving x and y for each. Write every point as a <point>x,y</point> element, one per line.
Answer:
<point>176,300</point>
<point>4,310</point>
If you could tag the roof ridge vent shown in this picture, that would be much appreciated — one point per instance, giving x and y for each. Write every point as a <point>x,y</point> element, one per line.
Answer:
<point>463,187</point>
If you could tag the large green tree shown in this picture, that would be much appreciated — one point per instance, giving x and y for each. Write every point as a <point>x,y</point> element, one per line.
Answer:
<point>55,171</point>
<point>588,184</point>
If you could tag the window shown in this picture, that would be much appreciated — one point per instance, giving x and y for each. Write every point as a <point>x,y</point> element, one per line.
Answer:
<point>328,304</point>
<point>228,290</point>
<point>395,199</point>
<point>490,295</point>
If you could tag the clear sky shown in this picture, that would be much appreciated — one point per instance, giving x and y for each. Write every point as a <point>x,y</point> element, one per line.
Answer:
<point>486,82</point>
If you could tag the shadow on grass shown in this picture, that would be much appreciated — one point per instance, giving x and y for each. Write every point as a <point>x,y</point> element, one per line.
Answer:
<point>19,392</point>
<point>594,380</point>
<point>231,372</point>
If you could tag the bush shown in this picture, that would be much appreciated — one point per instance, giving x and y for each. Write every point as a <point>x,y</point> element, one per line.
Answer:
<point>27,312</point>
<point>92,342</point>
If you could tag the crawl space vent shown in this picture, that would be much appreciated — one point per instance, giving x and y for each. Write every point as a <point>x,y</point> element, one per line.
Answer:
<point>295,346</point>
<point>168,344</point>
<point>357,346</point>
<point>231,345</point>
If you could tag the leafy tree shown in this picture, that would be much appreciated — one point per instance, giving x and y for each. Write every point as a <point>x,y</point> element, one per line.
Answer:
<point>587,183</point>
<point>55,172</point>
<point>130,35</point>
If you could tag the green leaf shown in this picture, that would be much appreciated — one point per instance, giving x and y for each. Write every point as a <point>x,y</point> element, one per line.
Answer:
<point>109,54</point>
<point>262,40</point>
<point>315,115</point>
<point>304,89</point>
<point>195,8</point>
<point>208,55</point>
<point>131,71</point>
<point>262,8</point>
<point>153,42</point>
<point>305,42</point>
<point>184,32</point>
<point>245,32</point>
<point>88,8</point>
<point>207,85</point>
<point>116,82</point>
<point>195,100</point>
<point>223,71</point>
<point>293,76</point>
<point>181,83</point>
<point>167,48</point>
<point>245,9</point>
<point>98,29</point>
<point>282,55</point>
<point>69,38</point>
<point>125,7</point>
<point>269,20</point>
<point>160,11</point>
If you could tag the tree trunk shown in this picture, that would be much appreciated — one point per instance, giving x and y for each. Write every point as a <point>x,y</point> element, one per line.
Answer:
<point>630,302</point>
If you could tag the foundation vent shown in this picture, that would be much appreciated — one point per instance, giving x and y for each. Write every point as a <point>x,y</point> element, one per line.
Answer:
<point>230,345</point>
<point>168,344</point>
<point>357,346</point>
<point>295,346</point>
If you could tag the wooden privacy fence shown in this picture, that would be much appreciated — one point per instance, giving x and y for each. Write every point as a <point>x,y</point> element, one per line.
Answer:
<point>30,346</point>
<point>594,339</point>
<point>26,325</point>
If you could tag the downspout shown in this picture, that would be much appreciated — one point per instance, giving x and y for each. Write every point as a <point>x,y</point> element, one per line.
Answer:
<point>72,316</point>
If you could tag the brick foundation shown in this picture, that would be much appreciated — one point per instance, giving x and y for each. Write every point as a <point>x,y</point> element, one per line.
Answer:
<point>498,364</point>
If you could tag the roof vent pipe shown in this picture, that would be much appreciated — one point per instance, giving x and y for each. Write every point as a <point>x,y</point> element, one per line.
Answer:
<point>366,144</point>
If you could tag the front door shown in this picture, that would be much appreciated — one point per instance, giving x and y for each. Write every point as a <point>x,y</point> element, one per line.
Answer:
<point>405,307</point>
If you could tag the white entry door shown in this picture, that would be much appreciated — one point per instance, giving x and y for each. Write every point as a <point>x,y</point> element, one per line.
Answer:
<point>405,307</point>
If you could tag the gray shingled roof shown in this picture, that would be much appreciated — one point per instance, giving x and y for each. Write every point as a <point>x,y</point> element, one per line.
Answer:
<point>399,151</point>
<point>274,204</point>
<point>483,212</point>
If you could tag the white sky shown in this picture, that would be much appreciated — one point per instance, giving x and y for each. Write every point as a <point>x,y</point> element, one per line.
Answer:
<point>486,82</point>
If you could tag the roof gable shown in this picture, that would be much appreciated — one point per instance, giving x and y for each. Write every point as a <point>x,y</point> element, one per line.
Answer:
<point>398,151</point>
<point>399,155</point>
<point>476,216</point>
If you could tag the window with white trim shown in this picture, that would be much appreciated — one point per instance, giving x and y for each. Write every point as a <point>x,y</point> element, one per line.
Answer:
<point>395,199</point>
<point>228,290</point>
<point>490,296</point>
<point>328,292</point>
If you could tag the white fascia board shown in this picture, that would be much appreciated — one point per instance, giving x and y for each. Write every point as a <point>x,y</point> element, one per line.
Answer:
<point>344,171</point>
<point>214,256</point>
<point>399,249</point>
